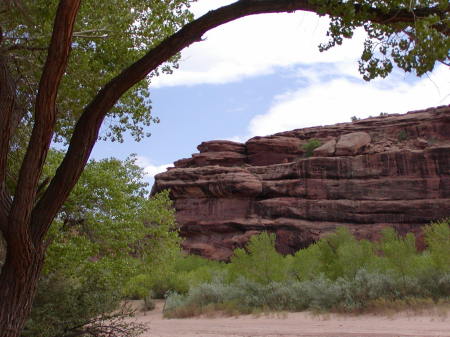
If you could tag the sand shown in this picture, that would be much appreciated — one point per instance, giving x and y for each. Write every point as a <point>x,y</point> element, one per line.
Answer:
<point>297,324</point>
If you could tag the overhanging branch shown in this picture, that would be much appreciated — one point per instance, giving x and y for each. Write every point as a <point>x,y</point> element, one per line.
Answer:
<point>87,127</point>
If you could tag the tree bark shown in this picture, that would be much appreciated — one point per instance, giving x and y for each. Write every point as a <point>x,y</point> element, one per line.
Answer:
<point>25,256</point>
<point>7,105</point>
<point>18,282</point>
<point>45,114</point>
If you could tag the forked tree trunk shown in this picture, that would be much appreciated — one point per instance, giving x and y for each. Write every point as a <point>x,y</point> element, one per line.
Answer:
<point>24,237</point>
<point>19,282</point>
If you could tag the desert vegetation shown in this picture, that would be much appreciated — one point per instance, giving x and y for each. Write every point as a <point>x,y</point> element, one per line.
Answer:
<point>95,261</point>
<point>338,273</point>
<point>310,146</point>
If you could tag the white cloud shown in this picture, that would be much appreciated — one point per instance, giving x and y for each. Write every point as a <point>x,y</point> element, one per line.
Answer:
<point>336,100</point>
<point>239,139</point>
<point>256,45</point>
<point>150,169</point>
<point>327,86</point>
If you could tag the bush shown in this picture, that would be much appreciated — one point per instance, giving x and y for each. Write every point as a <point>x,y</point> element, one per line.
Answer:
<point>437,237</point>
<point>311,146</point>
<point>321,294</point>
<point>337,255</point>
<point>338,273</point>
<point>259,261</point>
<point>137,287</point>
<point>66,307</point>
<point>398,254</point>
<point>402,135</point>
<point>149,303</point>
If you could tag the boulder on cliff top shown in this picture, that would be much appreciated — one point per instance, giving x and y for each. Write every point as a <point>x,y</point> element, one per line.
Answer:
<point>326,150</point>
<point>221,146</point>
<point>352,143</point>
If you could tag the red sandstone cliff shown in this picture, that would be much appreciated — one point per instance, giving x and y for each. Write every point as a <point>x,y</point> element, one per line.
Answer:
<point>385,171</point>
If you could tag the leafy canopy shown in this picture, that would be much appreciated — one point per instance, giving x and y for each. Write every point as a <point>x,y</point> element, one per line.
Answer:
<point>109,36</point>
<point>413,46</point>
<point>109,215</point>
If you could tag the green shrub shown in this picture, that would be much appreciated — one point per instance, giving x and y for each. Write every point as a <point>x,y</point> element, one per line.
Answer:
<point>187,271</point>
<point>337,273</point>
<point>310,146</point>
<point>66,307</point>
<point>188,263</point>
<point>398,254</point>
<point>437,237</point>
<point>138,287</point>
<point>149,302</point>
<point>306,263</point>
<point>402,135</point>
<point>321,294</point>
<point>337,255</point>
<point>332,250</point>
<point>259,261</point>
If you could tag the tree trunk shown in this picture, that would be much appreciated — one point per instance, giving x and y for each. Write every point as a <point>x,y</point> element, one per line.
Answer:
<point>19,282</point>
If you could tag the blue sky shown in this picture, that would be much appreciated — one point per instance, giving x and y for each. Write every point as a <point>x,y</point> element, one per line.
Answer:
<point>261,75</point>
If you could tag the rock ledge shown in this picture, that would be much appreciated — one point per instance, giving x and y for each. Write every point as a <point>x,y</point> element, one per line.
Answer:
<point>385,171</point>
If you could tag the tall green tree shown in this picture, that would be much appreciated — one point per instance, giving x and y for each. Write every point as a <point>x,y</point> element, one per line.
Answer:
<point>107,231</point>
<point>414,35</point>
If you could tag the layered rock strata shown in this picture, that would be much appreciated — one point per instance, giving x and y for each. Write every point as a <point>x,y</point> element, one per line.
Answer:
<point>390,170</point>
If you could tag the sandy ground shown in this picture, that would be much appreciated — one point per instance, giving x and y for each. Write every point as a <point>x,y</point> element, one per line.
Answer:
<point>297,325</point>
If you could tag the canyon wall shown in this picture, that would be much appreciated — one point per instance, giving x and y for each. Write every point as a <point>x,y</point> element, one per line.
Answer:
<point>392,170</point>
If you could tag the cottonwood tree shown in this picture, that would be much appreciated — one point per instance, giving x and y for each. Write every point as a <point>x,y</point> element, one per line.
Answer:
<point>109,216</point>
<point>46,87</point>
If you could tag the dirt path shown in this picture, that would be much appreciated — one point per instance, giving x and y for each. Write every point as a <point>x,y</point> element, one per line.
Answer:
<point>297,325</point>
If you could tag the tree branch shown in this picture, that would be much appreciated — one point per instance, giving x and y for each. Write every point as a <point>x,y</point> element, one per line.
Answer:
<point>7,109</point>
<point>92,34</point>
<point>45,118</point>
<point>87,128</point>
